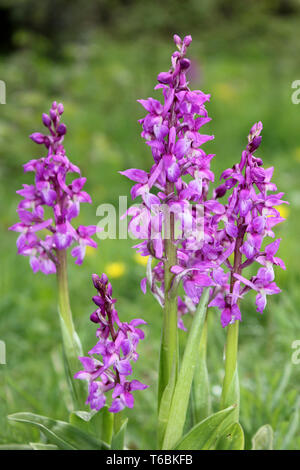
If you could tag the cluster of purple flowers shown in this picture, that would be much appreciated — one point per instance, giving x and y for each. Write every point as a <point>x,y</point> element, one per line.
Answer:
<point>249,216</point>
<point>117,348</point>
<point>171,130</point>
<point>180,178</point>
<point>50,189</point>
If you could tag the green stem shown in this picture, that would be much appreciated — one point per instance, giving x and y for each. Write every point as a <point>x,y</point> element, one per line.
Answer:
<point>230,391</point>
<point>63,291</point>
<point>201,389</point>
<point>71,343</point>
<point>169,339</point>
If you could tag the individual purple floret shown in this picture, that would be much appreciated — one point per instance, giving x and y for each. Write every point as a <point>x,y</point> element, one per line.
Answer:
<point>40,236</point>
<point>249,217</point>
<point>114,352</point>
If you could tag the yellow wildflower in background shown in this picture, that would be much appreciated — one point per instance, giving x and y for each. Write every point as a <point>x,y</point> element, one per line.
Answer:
<point>283,210</point>
<point>142,260</point>
<point>115,270</point>
<point>90,251</point>
<point>224,92</point>
<point>296,154</point>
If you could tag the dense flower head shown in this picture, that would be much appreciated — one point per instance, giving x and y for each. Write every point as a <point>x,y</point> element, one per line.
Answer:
<point>179,178</point>
<point>249,217</point>
<point>51,190</point>
<point>177,187</point>
<point>108,366</point>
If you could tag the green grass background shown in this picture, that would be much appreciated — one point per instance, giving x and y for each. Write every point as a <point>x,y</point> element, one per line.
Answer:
<point>249,73</point>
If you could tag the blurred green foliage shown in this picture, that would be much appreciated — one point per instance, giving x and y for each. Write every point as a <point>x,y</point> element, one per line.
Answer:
<point>247,59</point>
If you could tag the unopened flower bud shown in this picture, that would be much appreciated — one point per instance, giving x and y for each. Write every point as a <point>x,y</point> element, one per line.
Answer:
<point>37,137</point>
<point>254,144</point>
<point>94,317</point>
<point>53,114</point>
<point>46,120</point>
<point>165,77</point>
<point>187,40</point>
<point>62,129</point>
<point>60,108</point>
<point>177,40</point>
<point>220,191</point>
<point>185,64</point>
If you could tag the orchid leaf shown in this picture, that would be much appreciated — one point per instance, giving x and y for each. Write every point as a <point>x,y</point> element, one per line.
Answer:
<point>205,435</point>
<point>263,438</point>
<point>232,439</point>
<point>42,446</point>
<point>117,442</point>
<point>165,405</point>
<point>62,434</point>
<point>183,386</point>
<point>201,403</point>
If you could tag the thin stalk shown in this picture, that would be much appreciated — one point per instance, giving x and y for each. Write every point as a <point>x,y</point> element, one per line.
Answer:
<point>169,339</point>
<point>231,390</point>
<point>63,291</point>
<point>201,390</point>
<point>71,343</point>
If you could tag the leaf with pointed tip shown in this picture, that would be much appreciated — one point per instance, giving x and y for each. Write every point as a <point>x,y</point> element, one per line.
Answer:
<point>180,400</point>
<point>165,405</point>
<point>232,439</point>
<point>205,435</point>
<point>97,423</point>
<point>62,434</point>
<point>263,438</point>
<point>201,400</point>
<point>117,442</point>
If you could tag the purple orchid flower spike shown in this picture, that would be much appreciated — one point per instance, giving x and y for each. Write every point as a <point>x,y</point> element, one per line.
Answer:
<point>249,218</point>
<point>179,177</point>
<point>114,351</point>
<point>50,189</point>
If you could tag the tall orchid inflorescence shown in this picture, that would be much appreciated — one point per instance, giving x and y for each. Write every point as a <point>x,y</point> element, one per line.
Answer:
<point>171,129</point>
<point>114,351</point>
<point>249,216</point>
<point>51,190</point>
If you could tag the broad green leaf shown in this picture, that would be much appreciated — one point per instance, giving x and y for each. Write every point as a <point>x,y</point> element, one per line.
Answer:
<point>117,442</point>
<point>97,423</point>
<point>183,386</point>
<point>15,447</point>
<point>263,438</point>
<point>231,389</point>
<point>107,425</point>
<point>205,435</point>
<point>165,406</point>
<point>71,351</point>
<point>232,439</point>
<point>62,434</point>
<point>201,400</point>
<point>42,446</point>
